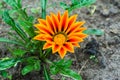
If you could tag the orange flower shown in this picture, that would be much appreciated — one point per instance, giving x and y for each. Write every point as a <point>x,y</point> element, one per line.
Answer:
<point>60,32</point>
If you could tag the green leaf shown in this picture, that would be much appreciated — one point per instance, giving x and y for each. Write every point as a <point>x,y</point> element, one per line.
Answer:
<point>4,74</point>
<point>15,4</point>
<point>33,64</point>
<point>37,65</point>
<point>1,12</point>
<point>19,2</point>
<point>9,41</point>
<point>54,70</point>
<point>46,74</point>
<point>63,67</point>
<point>27,69</point>
<point>64,5</point>
<point>7,18</point>
<point>70,73</point>
<point>75,1</point>
<point>91,31</point>
<point>28,27</point>
<point>18,52</point>
<point>8,63</point>
<point>60,65</point>
<point>76,4</point>
<point>14,25</point>
<point>64,63</point>
<point>81,3</point>
<point>31,67</point>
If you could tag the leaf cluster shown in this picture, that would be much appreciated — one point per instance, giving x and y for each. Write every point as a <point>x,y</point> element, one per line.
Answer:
<point>76,4</point>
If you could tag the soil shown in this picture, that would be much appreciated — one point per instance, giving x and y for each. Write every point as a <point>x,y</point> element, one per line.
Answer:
<point>107,18</point>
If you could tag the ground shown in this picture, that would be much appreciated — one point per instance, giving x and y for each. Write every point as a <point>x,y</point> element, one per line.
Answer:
<point>107,18</point>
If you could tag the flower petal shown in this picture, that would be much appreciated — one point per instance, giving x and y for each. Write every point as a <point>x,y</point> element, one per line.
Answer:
<point>74,27</point>
<point>39,37</point>
<point>59,16</point>
<point>72,19</point>
<point>62,52</point>
<point>69,47</point>
<point>81,29</point>
<point>47,45</point>
<point>76,45</point>
<point>55,21</point>
<point>75,39</point>
<point>55,48</point>
<point>42,21</point>
<point>64,21</point>
<point>50,23</point>
<point>43,29</point>
<point>78,34</point>
<point>49,39</point>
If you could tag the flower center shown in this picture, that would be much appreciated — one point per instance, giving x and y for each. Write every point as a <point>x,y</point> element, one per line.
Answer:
<point>59,39</point>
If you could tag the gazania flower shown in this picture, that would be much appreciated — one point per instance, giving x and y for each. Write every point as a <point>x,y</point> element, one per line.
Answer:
<point>61,33</point>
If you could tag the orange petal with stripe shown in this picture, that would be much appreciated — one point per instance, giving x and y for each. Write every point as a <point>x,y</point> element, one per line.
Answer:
<point>69,47</point>
<point>55,21</point>
<point>55,48</point>
<point>78,34</point>
<point>39,37</point>
<point>81,29</point>
<point>75,39</point>
<point>62,52</point>
<point>42,21</point>
<point>74,27</point>
<point>43,29</point>
<point>50,24</point>
<point>47,45</point>
<point>76,44</point>
<point>64,22</point>
<point>59,16</point>
<point>71,20</point>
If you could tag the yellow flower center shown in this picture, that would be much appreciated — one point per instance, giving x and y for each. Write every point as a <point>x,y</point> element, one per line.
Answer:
<point>59,39</point>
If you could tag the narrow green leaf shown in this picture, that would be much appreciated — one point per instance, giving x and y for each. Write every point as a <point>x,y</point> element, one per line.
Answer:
<point>91,31</point>
<point>13,3</point>
<point>9,41</point>
<point>18,52</point>
<point>7,18</point>
<point>19,2</point>
<point>28,27</point>
<point>70,73</point>
<point>46,74</point>
<point>1,12</point>
<point>27,69</point>
<point>8,63</point>
<point>14,25</point>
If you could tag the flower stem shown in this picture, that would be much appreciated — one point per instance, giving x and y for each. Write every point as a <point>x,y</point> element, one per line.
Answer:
<point>48,61</point>
<point>43,6</point>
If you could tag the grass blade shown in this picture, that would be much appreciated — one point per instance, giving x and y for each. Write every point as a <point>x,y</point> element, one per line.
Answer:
<point>9,41</point>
